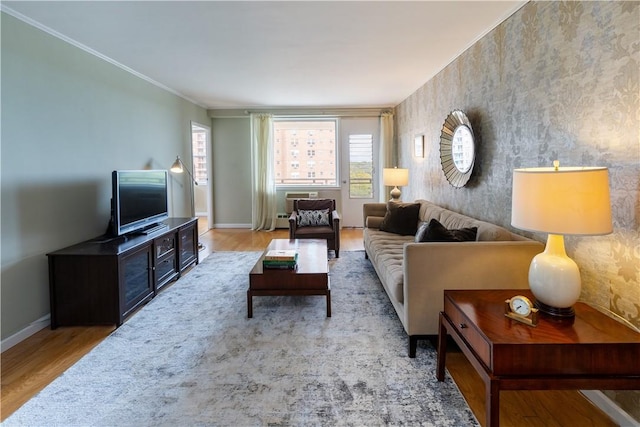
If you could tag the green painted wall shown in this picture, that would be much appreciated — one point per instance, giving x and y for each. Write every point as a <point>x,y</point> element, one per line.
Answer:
<point>68,120</point>
<point>231,138</point>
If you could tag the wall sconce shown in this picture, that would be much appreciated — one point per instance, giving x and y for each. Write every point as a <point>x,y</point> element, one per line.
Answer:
<point>559,201</point>
<point>418,146</point>
<point>394,177</point>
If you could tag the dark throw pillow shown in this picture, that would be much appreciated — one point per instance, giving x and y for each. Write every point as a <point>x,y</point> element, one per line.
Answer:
<point>436,232</point>
<point>401,218</point>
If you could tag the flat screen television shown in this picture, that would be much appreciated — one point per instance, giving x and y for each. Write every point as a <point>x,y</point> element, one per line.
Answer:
<point>139,200</point>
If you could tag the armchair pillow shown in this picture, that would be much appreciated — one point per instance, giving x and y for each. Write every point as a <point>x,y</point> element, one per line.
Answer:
<point>313,218</point>
<point>401,218</point>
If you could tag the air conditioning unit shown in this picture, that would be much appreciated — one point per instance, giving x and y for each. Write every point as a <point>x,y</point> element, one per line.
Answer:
<point>290,196</point>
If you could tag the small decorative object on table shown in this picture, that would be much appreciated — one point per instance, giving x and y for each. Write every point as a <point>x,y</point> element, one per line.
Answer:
<point>521,308</point>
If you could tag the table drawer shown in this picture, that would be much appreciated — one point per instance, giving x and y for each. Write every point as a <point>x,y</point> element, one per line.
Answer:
<point>469,332</point>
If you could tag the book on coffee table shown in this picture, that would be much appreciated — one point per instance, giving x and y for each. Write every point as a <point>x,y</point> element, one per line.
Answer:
<point>279,265</point>
<point>289,255</point>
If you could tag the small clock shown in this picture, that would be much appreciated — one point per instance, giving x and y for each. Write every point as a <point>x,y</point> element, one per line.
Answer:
<point>521,308</point>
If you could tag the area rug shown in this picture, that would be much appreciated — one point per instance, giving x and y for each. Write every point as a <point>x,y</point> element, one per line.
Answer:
<point>191,357</point>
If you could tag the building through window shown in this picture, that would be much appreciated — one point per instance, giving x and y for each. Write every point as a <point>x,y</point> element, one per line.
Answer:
<point>314,166</point>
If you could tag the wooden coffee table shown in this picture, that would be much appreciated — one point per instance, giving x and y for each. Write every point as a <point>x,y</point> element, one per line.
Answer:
<point>311,277</point>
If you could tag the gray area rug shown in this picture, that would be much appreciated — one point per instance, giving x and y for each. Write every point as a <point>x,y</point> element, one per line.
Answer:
<point>192,357</point>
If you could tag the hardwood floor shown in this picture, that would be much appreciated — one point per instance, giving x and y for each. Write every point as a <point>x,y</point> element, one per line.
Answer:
<point>29,366</point>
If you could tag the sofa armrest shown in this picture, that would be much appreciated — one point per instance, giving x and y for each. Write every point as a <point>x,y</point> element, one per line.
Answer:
<point>373,213</point>
<point>335,217</point>
<point>430,268</point>
<point>293,224</point>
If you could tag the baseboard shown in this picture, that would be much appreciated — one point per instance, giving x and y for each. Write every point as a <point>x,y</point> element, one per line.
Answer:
<point>232,226</point>
<point>607,406</point>
<point>18,337</point>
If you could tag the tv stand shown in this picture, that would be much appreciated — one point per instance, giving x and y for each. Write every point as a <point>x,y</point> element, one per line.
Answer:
<point>104,280</point>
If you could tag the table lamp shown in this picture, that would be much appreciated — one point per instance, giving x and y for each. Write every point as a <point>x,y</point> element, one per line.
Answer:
<point>394,177</point>
<point>559,201</point>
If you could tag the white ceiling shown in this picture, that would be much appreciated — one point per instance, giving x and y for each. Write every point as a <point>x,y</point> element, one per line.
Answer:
<point>239,54</point>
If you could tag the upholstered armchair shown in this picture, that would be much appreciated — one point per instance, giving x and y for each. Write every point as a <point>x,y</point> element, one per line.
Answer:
<point>316,219</point>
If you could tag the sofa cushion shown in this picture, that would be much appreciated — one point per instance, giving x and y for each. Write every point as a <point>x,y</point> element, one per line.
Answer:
<point>436,232</point>
<point>401,218</point>
<point>315,232</point>
<point>387,257</point>
<point>313,218</point>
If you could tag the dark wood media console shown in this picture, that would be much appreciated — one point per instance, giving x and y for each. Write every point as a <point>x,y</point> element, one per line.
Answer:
<point>104,280</point>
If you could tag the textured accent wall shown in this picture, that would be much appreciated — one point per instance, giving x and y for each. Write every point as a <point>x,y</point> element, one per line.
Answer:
<point>557,80</point>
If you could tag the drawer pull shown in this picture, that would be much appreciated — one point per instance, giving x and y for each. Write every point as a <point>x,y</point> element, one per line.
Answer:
<point>463,326</point>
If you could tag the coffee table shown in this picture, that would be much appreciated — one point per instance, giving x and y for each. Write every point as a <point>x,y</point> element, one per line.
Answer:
<point>311,277</point>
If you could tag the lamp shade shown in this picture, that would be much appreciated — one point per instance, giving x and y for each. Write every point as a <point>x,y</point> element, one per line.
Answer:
<point>395,177</point>
<point>176,167</point>
<point>567,200</point>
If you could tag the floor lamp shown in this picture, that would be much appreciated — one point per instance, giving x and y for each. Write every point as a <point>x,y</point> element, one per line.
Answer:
<point>179,167</point>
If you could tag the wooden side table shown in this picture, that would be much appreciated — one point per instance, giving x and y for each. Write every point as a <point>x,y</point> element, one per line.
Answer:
<point>590,352</point>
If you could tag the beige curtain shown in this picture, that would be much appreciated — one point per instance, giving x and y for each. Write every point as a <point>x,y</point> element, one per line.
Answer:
<point>388,154</point>
<point>263,185</point>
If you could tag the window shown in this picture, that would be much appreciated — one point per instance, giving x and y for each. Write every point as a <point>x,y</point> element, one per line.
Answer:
<point>199,142</point>
<point>360,166</point>
<point>314,166</point>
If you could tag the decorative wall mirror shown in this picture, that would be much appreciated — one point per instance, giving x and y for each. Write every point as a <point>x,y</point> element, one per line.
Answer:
<point>457,148</point>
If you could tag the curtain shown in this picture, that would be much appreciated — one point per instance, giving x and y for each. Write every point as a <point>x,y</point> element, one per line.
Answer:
<point>263,186</point>
<point>388,154</point>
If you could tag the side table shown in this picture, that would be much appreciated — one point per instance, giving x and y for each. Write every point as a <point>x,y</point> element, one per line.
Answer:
<point>590,352</point>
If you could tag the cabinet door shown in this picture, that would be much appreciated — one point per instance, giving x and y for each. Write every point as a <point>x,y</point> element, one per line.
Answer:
<point>166,261</point>
<point>136,279</point>
<point>188,248</point>
<point>165,244</point>
<point>166,270</point>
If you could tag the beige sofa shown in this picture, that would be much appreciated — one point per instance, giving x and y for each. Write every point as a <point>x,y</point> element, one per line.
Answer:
<point>414,275</point>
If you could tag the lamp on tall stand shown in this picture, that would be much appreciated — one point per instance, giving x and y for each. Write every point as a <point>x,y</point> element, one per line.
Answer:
<point>179,167</point>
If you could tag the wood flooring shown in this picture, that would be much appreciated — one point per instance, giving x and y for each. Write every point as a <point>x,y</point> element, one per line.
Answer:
<point>32,364</point>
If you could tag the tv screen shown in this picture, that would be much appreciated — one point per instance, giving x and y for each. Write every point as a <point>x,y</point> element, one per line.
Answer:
<point>139,199</point>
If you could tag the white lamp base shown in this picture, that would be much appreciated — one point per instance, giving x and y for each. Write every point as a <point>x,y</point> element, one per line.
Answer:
<point>554,279</point>
<point>395,195</point>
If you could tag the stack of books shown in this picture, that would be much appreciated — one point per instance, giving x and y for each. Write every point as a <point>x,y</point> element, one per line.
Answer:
<point>280,259</point>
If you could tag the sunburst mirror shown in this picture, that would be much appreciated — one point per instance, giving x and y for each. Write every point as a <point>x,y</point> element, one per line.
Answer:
<point>457,148</point>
